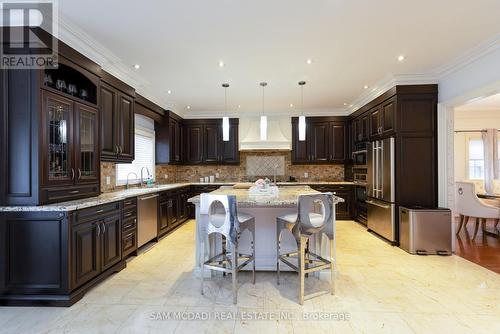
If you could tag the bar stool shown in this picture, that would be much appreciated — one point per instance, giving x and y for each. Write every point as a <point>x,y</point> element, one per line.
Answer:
<point>303,225</point>
<point>218,214</point>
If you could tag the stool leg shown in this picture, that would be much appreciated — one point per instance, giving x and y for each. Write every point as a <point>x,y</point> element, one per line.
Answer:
<point>253,256</point>
<point>462,219</point>
<point>302,250</point>
<point>476,228</point>
<point>278,250</point>
<point>496,222</point>
<point>233,272</point>
<point>202,263</point>
<point>332,266</point>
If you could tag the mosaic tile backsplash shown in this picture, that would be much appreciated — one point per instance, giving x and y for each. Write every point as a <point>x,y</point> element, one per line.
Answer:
<point>249,169</point>
<point>258,165</point>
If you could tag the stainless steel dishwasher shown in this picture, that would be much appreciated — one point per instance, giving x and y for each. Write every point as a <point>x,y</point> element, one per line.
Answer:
<point>147,222</point>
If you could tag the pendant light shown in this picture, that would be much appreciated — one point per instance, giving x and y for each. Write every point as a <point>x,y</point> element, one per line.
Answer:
<point>225,119</point>
<point>263,118</point>
<point>302,118</point>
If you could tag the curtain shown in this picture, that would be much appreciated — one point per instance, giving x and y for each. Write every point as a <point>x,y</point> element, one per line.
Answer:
<point>490,142</point>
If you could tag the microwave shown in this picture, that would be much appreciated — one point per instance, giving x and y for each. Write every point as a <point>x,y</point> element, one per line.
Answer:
<point>359,155</point>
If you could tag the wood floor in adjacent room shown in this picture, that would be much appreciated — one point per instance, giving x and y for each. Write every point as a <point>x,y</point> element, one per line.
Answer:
<point>381,288</point>
<point>484,250</point>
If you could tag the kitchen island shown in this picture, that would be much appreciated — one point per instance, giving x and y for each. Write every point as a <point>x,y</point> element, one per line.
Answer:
<point>265,209</point>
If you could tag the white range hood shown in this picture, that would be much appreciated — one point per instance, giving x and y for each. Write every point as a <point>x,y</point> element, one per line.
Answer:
<point>279,133</point>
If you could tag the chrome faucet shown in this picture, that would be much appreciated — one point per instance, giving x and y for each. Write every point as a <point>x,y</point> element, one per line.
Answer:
<point>142,175</point>
<point>127,185</point>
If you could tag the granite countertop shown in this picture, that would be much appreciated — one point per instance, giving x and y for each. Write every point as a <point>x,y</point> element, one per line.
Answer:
<point>133,192</point>
<point>287,197</point>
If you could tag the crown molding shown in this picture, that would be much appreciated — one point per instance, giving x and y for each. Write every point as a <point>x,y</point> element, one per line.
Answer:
<point>388,82</point>
<point>78,39</point>
<point>480,50</point>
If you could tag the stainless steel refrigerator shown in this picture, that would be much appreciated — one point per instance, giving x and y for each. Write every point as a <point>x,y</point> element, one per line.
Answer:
<point>380,188</point>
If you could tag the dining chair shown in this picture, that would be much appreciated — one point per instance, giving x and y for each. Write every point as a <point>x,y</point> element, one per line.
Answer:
<point>304,224</point>
<point>218,215</point>
<point>470,206</point>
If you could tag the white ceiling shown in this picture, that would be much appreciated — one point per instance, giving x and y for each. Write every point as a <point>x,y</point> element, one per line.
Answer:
<point>488,103</point>
<point>352,43</point>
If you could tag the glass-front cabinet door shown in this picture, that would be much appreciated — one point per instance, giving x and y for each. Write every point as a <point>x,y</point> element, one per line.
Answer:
<point>86,146</point>
<point>57,144</point>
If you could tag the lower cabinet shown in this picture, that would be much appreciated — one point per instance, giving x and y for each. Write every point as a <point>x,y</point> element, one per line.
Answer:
<point>111,241</point>
<point>86,247</point>
<point>173,209</point>
<point>95,246</point>
<point>343,210</point>
<point>129,227</point>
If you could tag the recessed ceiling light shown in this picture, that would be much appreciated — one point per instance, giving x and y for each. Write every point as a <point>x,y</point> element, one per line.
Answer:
<point>309,61</point>
<point>401,58</point>
<point>366,87</point>
<point>189,107</point>
<point>345,103</point>
<point>350,106</point>
<point>221,63</point>
<point>169,91</point>
<point>239,106</point>
<point>137,66</point>
<point>291,105</point>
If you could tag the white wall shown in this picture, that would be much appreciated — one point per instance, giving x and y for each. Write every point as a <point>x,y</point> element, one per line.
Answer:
<point>470,120</point>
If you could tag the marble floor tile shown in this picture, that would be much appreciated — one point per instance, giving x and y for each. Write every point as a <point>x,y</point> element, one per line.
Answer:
<point>379,289</point>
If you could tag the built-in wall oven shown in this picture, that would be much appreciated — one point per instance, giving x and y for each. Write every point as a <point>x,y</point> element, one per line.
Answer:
<point>359,155</point>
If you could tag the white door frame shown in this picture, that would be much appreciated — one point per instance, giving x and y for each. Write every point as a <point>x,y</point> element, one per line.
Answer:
<point>446,156</point>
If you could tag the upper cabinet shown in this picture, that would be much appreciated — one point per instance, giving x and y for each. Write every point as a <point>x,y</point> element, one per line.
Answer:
<point>195,141</point>
<point>361,128</point>
<point>117,120</point>
<point>204,143</point>
<point>50,137</point>
<point>326,141</point>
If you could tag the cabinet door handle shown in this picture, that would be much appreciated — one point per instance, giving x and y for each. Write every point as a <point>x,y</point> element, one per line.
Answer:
<point>79,173</point>
<point>98,229</point>
<point>100,211</point>
<point>72,173</point>
<point>74,192</point>
<point>116,149</point>
<point>103,228</point>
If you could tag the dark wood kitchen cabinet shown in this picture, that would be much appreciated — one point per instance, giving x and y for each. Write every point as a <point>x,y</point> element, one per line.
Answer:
<point>319,136</point>
<point>117,120</point>
<point>409,114</point>
<point>338,142</point>
<point>175,141</point>
<point>361,128</point>
<point>96,244</point>
<point>86,247</point>
<point>49,136</point>
<point>173,209</point>
<point>211,143</point>
<point>169,138</point>
<point>326,140</point>
<point>204,143</point>
<point>194,144</point>
<point>382,119</point>
<point>343,210</point>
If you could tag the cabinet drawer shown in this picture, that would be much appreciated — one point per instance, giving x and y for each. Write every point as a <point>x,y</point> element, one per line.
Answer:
<point>129,225</point>
<point>54,195</point>
<point>97,211</point>
<point>130,203</point>
<point>129,243</point>
<point>130,213</point>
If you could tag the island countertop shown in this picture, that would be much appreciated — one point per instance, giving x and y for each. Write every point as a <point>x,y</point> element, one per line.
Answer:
<point>287,197</point>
